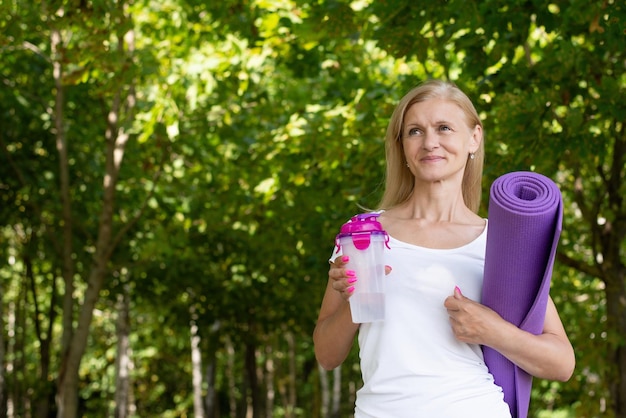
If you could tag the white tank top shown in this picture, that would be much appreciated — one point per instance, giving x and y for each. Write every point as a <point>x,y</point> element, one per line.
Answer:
<point>411,363</point>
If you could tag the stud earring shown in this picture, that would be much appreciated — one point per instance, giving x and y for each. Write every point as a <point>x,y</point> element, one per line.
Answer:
<point>472,156</point>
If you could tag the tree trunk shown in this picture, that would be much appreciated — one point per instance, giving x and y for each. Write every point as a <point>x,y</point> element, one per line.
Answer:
<point>210,403</point>
<point>115,139</point>
<point>3,397</point>
<point>325,391</point>
<point>68,264</point>
<point>68,268</point>
<point>291,353</point>
<point>210,398</point>
<point>123,359</point>
<point>45,389</point>
<point>196,364</point>
<point>11,395</point>
<point>64,186</point>
<point>230,377</point>
<point>616,316</point>
<point>253,383</point>
<point>20,398</point>
<point>336,405</point>
<point>606,218</point>
<point>67,395</point>
<point>610,260</point>
<point>269,381</point>
<point>67,392</point>
<point>618,389</point>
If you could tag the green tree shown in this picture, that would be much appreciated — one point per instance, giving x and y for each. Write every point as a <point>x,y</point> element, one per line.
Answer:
<point>250,131</point>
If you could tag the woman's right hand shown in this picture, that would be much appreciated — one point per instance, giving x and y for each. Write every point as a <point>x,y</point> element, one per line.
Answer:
<point>334,332</point>
<point>342,279</point>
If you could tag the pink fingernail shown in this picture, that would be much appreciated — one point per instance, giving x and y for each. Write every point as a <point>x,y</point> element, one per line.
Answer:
<point>350,273</point>
<point>345,258</point>
<point>456,289</point>
<point>350,289</point>
<point>352,280</point>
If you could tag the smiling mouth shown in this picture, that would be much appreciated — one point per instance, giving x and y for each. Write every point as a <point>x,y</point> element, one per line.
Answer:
<point>432,158</point>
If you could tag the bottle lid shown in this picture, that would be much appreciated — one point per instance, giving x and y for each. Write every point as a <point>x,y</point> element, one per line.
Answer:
<point>359,228</point>
<point>364,222</point>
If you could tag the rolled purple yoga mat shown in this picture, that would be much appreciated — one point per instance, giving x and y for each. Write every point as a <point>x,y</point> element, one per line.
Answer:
<point>525,217</point>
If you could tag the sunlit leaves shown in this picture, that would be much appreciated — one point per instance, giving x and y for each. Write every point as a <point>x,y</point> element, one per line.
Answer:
<point>259,129</point>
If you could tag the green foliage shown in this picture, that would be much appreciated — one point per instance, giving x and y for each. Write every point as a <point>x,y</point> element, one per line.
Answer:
<point>258,130</point>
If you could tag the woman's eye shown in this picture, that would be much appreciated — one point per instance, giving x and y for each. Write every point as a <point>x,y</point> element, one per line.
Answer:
<point>444,128</point>
<point>414,131</point>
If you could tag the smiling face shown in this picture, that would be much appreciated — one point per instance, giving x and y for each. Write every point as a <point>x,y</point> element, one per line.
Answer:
<point>437,140</point>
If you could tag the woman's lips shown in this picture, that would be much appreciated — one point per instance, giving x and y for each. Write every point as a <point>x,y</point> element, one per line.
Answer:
<point>432,158</point>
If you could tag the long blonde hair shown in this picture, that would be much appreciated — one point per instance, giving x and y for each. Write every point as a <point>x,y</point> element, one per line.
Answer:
<point>399,181</point>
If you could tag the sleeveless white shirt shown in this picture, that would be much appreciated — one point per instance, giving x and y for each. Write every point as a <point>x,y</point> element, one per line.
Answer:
<point>411,363</point>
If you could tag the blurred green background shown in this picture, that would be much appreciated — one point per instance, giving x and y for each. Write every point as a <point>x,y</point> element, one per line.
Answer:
<point>173,174</point>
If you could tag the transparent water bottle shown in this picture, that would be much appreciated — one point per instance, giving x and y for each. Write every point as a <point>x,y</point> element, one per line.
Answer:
<point>363,240</point>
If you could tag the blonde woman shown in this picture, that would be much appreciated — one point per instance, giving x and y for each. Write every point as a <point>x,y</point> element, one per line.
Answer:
<point>424,359</point>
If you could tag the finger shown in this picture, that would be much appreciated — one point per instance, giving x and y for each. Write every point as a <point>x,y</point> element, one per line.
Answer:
<point>342,274</point>
<point>451,304</point>
<point>348,292</point>
<point>387,269</point>
<point>344,289</point>
<point>340,260</point>
<point>346,285</point>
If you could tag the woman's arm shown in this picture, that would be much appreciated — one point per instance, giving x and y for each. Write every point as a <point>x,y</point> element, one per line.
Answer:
<point>549,355</point>
<point>334,333</point>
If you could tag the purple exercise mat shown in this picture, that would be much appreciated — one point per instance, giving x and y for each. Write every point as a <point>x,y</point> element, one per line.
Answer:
<point>525,215</point>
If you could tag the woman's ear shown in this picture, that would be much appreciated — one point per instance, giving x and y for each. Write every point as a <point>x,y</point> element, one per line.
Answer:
<point>476,139</point>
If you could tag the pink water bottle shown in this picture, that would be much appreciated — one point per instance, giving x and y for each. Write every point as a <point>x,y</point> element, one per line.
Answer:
<point>363,240</point>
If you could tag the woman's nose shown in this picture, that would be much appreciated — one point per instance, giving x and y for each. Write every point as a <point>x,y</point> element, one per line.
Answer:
<point>431,141</point>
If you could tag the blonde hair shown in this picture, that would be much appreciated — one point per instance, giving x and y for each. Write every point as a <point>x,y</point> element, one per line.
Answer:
<point>399,181</point>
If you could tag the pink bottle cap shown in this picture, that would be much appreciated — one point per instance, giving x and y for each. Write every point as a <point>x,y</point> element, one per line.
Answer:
<point>360,227</point>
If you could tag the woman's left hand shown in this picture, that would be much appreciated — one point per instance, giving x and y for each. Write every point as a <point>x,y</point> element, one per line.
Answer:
<point>472,322</point>
<point>548,355</point>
